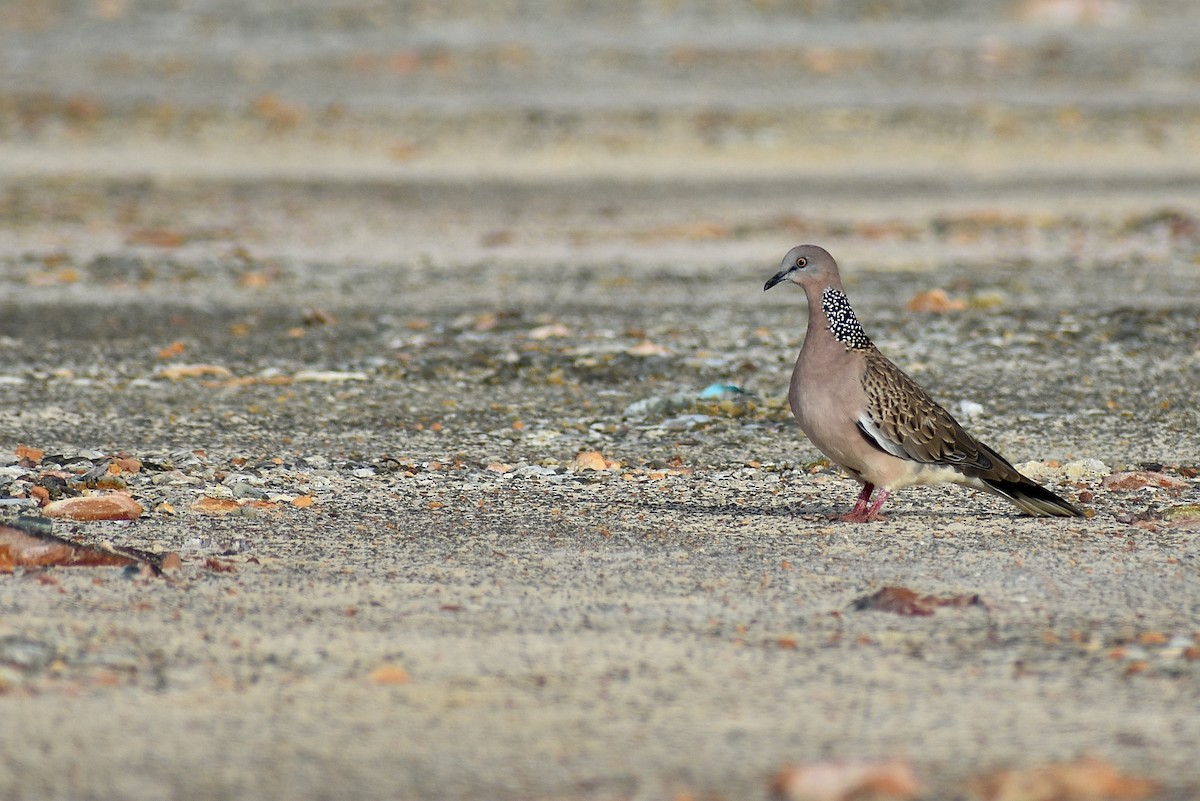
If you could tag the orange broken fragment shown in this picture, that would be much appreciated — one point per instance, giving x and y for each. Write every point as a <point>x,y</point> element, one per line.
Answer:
<point>29,453</point>
<point>110,506</point>
<point>936,301</point>
<point>179,371</point>
<point>389,674</point>
<point>207,505</point>
<point>846,780</point>
<point>156,237</point>
<point>28,543</point>
<point>20,548</point>
<point>589,460</point>
<point>126,465</point>
<point>1138,479</point>
<point>647,348</point>
<point>176,348</point>
<point>1082,780</point>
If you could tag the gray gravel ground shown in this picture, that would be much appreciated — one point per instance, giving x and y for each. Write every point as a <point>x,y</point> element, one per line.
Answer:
<point>680,623</point>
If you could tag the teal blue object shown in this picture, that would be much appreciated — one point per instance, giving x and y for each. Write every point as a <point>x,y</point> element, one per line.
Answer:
<point>721,391</point>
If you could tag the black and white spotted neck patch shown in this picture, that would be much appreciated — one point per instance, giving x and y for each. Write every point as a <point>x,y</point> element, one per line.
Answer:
<point>843,323</point>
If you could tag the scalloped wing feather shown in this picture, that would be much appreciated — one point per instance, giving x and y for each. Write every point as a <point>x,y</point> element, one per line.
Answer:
<point>906,422</point>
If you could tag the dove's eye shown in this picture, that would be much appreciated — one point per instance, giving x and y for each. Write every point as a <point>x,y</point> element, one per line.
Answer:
<point>801,262</point>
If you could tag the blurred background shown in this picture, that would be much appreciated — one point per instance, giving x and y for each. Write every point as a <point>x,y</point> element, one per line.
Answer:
<point>633,88</point>
<point>538,131</point>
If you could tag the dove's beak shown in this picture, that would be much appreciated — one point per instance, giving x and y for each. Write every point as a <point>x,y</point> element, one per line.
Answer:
<point>777,278</point>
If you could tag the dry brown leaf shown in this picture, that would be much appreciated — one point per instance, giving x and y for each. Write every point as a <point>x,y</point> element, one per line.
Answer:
<point>903,601</point>
<point>696,231</point>
<point>846,781</point>
<point>389,674</point>
<point>179,371</point>
<point>549,331</point>
<point>251,380</point>
<point>486,321</point>
<point>19,548</point>
<point>278,114</point>
<point>936,301</point>
<point>110,9</point>
<point>499,238</point>
<point>29,453</point>
<point>207,505</point>
<point>65,275</point>
<point>647,348</point>
<point>316,316</point>
<point>886,229</point>
<point>1137,479</point>
<point>171,351</point>
<point>156,237</point>
<point>257,279</point>
<point>403,150</point>
<point>27,545</point>
<point>1084,779</point>
<point>83,109</point>
<point>126,465</point>
<point>111,506</point>
<point>1074,12</point>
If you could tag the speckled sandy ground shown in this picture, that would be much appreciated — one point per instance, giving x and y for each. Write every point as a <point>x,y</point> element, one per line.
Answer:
<point>678,623</point>
<point>418,325</point>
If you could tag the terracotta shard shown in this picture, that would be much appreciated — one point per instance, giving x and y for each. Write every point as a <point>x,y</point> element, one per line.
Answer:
<point>28,543</point>
<point>389,674</point>
<point>935,301</point>
<point>207,505</point>
<point>1138,479</point>
<point>1082,780</point>
<point>846,780</point>
<point>110,506</point>
<point>589,460</point>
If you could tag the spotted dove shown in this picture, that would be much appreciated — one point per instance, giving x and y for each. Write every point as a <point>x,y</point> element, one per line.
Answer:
<point>872,419</point>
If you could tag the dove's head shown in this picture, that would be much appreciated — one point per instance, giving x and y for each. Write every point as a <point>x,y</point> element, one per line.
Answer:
<point>807,265</point>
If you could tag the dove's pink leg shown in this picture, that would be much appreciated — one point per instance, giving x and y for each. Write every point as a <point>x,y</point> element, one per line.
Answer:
<point>859,513</point>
